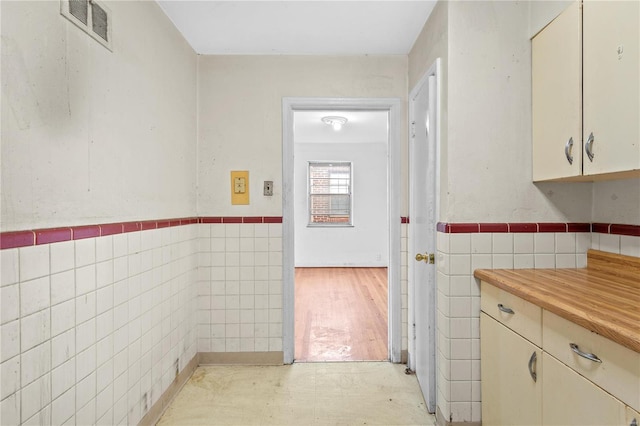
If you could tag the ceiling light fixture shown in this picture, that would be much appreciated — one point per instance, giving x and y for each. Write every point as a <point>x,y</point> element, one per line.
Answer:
<point>335,122</point>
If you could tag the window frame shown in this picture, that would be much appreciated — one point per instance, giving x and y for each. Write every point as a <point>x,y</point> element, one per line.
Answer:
<point>346,224</point>
<point>88,27</point>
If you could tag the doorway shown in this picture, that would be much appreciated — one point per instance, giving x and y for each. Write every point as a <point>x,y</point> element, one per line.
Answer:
<point>390,107</point>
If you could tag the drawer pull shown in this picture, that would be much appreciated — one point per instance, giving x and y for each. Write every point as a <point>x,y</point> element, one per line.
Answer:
<point>505,309</point>
<point>586,355</point>
<point>532,362</point>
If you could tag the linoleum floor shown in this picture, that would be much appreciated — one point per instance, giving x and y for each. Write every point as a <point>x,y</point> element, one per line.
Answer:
<point>354,393</point>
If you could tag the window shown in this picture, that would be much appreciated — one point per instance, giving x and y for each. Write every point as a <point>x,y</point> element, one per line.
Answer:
<point>330,194</point>
<point>90,16</point>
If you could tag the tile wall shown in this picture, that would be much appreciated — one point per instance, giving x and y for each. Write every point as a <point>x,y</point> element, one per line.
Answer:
<point>95,329</point>
<point>463,249</point>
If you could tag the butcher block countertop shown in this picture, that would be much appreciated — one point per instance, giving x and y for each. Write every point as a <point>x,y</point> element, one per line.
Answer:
<point>604,297</point>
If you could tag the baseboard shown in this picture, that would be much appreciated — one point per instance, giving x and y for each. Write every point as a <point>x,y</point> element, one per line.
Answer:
<point>241,358</point>
<point>441,420</point>
<point>155,412</point>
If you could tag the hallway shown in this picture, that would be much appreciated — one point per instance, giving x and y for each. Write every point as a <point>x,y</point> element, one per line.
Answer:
<point>372,393</point>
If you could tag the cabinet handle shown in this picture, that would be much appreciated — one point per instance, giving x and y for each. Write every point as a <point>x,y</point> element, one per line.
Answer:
<point>505,309</point>
<point>588,147</point>
<point>567,150</point>
<point>591,357</point>
<point>532,362</point>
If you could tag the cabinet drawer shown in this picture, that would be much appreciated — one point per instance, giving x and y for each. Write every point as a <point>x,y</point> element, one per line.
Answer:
<point>526,319</point>
<point>619,371</point>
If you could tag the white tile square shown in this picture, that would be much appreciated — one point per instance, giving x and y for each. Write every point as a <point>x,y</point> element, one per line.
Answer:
<point>630,245</point>
<point>9,267</point>
<point>63,407</point>
<point>63,317</point>
<point>460,411</point>
<point>232,244</point>
<point>544,261</point>
<point>502,243</point>
<point>583,242</point>
<point>133,243</point>
<point>104,273</point>
<point>460,243</point>
<point>120,268</point>
<point>461,392</point>
<point>460,264</point>
<point>85,363</point>
<point>544,243</point>
<point>85,335</point>
<point>481,261</point>
<point>62,256</point>
<point>460,307</point>
<point>63,347</point>
<point>275,230</point>
<point>85,390</point>
<point>104,299</point>
<point>523,243</point>
<point>87,414</point>
<point>85,279</point>
<point>10,302</point>
<point>523,261</point>
<point>104,248</point>
<point>10,373</point>
<point>10,338</point>
<point>247,230</point>
<point>34,330</point>
<point>85,252</point>
<point>36,396</point>
<point>565,242</point>
<point>34,296</point>
<point>63,286</point>
<point>35,363</point>
<point>461,370</point>
<point>85,307</point>
<point>460,348</point>
<point>120,245</point>
<point>104,401</point>
<point>565,260</point>
<point>63,378</point>
<point>595,241</point>
<point>34,262</point>
<point>502,261</point>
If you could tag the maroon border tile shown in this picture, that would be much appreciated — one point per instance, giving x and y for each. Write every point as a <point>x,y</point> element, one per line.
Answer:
<point>52,235</point>
<point>552,227</point>
<point>189,221</point>
<point>88,231</point>
<point>629,230</point>
<point>130,226</point>
<point>163,224</point>
<point>232,219</point>
<point>494,227</point>
<point>15,239</point>
<point>442,227</point>
<point>272,219</point>
<point>252,219</point>
<point>578,227</point>
<point>523,227</point>
<point>148,224</point>
<point>111,229</point>
<point>211,219</point>
<point>602,228</point>
<point>464,228</point>
<point>404,219</point>
<point>174,223</point>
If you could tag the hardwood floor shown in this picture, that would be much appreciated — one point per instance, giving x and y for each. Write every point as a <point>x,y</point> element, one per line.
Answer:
<point>341,314</point>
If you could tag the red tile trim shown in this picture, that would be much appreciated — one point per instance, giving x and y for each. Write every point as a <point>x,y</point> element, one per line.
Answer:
<point>494,227</point>
<point>80,232</point>
<point>149,224</point>
<point>578,227</point>
<point>442,227</point>
<point>54,235</point>
<point>523,227</point>
<point>404,219</point>
<point>252,220</point>
<point>464,228</point>
<point>130,226</point>
<point>629,230</point>
<point>552,227</point>
<point>272,219</point>
<point>232,220</point>
<point>17,239</point>
<point>211,220</point>
<point>602,228</point>
<point>163,223</point>
<point>110,229</point>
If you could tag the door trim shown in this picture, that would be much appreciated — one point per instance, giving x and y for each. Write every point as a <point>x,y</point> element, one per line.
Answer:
<point>394,106</point>
<point>434,70</point>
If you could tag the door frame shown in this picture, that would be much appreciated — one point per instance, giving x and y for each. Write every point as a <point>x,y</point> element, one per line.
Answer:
<point>433,194</point>
<point>394,107</point>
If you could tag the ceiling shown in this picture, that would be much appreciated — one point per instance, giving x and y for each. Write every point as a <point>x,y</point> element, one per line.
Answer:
<point>361,127</point>
<point>299,27</point>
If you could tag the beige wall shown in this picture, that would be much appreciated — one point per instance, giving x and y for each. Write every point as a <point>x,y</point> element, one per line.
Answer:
<point>240,116</point>
<point>90,135</point>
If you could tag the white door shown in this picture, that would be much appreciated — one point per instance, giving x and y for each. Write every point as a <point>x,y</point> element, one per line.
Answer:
<point>422,235</point>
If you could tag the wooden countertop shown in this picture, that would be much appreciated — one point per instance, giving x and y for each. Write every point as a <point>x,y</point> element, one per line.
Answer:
<point>604,297</point>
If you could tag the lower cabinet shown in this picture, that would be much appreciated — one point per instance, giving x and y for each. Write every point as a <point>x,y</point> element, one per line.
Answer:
<point>570,399</point>
<point>511,388</point>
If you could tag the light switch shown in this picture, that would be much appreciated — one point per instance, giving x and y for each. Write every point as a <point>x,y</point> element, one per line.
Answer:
<point>240,187</point>
<point>268,188</point>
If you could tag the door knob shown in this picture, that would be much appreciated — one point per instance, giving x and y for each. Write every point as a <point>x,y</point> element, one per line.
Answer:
<point>427,257</point>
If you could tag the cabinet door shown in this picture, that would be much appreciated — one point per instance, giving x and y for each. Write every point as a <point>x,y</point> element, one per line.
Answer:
<point>611,92</point>
<point>570,399</point>
<point>633,417</point>
<point>557,96</point>
<point>510,396</point>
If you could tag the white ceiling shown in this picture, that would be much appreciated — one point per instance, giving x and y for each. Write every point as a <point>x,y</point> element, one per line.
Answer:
<point>361,127</point>
<point>299,27</point>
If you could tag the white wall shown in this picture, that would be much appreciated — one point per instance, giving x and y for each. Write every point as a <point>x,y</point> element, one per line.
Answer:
<point>366,242</point>
<point>240,110</point>
<point>92,136</point>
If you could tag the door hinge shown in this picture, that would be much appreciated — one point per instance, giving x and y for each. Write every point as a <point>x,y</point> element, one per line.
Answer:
<point>413,129</point>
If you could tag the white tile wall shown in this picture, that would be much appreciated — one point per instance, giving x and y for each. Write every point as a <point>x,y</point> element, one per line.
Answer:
<point>91,329</point>
<point>458,297</point>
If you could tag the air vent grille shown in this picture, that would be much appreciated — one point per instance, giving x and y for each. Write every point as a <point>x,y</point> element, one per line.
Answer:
<point>91,16</point>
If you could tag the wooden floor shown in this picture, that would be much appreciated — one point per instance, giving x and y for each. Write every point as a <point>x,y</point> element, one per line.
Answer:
<point>341,314</point>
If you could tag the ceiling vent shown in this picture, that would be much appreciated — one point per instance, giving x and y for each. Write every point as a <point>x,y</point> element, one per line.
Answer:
<point>90,16</point>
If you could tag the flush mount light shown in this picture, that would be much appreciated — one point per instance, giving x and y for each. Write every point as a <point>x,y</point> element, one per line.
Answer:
<point>334,121</point>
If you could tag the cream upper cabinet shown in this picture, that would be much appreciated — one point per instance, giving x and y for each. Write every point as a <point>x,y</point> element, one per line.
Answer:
<point>611,94</point>
<point>586,93</point>
<point>557,97</point>
<point>511,391</point>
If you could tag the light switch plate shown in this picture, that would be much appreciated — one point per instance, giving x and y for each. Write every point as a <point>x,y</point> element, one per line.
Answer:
<point>268,188</point>
<point>240,187</point>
